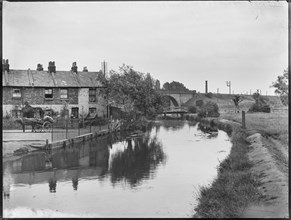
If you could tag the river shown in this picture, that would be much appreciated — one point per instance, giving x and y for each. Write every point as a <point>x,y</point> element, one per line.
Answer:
<point>157,174</point>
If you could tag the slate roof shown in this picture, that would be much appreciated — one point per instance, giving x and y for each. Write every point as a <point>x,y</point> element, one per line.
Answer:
<point>29,78</point>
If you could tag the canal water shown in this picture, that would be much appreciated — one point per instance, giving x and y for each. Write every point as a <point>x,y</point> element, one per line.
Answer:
<point>157,174</point>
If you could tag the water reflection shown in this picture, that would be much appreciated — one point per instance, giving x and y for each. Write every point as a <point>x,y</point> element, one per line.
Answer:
<point>208,132</point>
<point>173,125</point>
<point>139,159</point>
<point>89,177</point>
<point>91,159</point>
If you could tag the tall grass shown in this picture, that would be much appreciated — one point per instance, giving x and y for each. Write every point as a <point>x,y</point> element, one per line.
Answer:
<point>235,186</point>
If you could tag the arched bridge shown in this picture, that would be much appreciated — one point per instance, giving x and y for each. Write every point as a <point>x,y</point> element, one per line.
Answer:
<point>178,98</point>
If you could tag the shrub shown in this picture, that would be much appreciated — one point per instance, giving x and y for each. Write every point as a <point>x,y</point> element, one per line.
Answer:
<point>260,108</point>
<point>199,103</point>
<point>210,109</point>
<point>99,121</point>
<point>209,95</point>
<point>192,109</point>
<point>284,99</point>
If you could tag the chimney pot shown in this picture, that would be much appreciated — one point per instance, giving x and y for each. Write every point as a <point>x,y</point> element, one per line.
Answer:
<point>85,69</point>
<point>74,67</point>
<point>5,65</point>
<point>39,67</point>
<point>52,67</point>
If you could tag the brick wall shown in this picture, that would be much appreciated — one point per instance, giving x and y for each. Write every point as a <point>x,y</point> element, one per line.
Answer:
<point>35,96</point>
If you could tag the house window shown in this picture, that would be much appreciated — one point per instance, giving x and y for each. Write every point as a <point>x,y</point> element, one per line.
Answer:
<point>92,112</point>
<point>75,113</point>
<point>64,93</point>
<point>48,94</point>
<point>92,95</point>
<point>16,93</point>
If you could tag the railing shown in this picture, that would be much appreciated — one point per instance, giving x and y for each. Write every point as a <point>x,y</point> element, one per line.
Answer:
<point>63,128</point>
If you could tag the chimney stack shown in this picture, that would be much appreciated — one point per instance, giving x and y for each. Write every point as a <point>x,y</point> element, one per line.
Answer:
<point>206,87</point>
<point>85,69</point>
<point>5,65</point>
<point>104,67</point>
<point>52,67</point>
<point>74,67</point>
<point>39,67</point>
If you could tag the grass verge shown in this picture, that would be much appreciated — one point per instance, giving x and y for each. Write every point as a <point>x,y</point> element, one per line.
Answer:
<point>235,186</point>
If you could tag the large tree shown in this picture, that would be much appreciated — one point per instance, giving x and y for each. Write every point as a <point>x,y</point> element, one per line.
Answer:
<point>175,86</point>
<point>281,85</point>
<point>133,90</point>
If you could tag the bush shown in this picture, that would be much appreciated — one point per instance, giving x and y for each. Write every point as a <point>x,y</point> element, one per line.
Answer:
<point>210,109</point>
<point>260,108</point>
<point>192,109</point>
<point>199,103</point>
<point>209,95</point>
<point>9,123</point>
<point>99,121</point>
<point>284,99</point>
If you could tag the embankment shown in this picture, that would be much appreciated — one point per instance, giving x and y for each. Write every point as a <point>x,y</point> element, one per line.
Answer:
<point>250,182</point>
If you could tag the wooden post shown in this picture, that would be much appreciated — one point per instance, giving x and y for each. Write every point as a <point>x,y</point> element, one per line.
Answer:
<point>46,144</point>
<point>66,128</point>
<point>243,120</point>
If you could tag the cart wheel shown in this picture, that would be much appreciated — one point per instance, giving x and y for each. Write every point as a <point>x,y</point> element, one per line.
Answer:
<point>38,128</point>
<point>47,126</point>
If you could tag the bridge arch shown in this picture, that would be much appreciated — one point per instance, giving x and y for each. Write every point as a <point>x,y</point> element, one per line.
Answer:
<point>173,100</point>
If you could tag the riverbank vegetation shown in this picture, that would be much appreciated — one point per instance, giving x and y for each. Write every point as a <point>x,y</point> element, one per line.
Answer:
<point>134,92</point>
<point>235,186</point>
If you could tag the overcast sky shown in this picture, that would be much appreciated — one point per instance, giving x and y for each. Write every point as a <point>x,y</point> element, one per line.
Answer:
<point>190,42</point>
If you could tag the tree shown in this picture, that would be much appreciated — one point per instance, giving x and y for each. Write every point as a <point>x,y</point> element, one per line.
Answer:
<point>237,99</point>
<point>175,86</point>
<point>132,90</point>
<point>281,85</point>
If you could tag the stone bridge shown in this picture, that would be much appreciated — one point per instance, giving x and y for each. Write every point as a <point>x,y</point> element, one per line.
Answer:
<point>178,98</point>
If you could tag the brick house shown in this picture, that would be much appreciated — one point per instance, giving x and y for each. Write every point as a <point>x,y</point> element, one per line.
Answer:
<point>80,92</point>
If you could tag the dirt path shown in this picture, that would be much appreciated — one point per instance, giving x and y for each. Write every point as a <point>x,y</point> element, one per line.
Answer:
<point>270,160</point>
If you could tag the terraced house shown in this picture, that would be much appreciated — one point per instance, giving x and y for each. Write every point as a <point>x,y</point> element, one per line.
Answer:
<point>79,92</point>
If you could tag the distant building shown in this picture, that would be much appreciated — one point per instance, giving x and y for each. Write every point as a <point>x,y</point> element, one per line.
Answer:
<point>80,92</point>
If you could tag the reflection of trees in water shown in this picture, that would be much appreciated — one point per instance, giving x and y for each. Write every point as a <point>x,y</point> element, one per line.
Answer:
<point>211,132</point>
<point>138,162</point>
<point>173,124</point>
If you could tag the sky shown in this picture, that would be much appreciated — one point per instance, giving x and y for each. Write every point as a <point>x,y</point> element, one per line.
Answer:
<point>189,42</point>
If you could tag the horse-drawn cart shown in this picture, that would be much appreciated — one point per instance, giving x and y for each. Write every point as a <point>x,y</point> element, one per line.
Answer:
<point>43,125</point>
<point>37,125</point>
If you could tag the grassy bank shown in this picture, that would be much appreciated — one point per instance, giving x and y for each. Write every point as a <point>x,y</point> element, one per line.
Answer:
<point>274,124</point>
<point>235,186</point>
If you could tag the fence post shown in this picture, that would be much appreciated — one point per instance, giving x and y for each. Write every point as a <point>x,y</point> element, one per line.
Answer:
<point>52,132</point>
<point>243,119</point>
<point>78,128</point>
<point>90,127</point>
<point>66,128</point>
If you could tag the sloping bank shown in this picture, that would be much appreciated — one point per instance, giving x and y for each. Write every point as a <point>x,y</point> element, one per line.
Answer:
<point>236,186</point>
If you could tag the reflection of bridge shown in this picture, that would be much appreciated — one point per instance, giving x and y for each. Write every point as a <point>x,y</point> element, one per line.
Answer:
<point>175,110</point>
<point>178,98</point>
